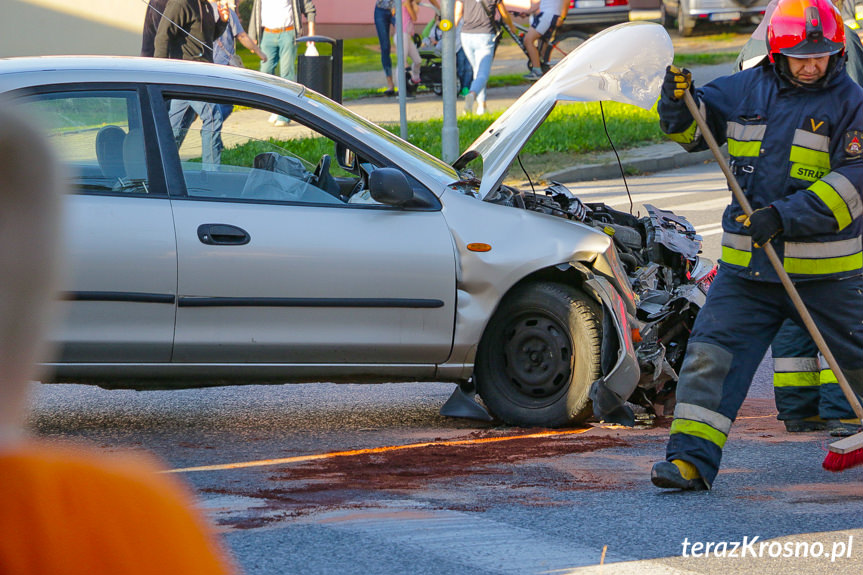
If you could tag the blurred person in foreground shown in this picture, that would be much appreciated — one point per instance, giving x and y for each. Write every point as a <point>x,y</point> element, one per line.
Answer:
<point>69,509</point>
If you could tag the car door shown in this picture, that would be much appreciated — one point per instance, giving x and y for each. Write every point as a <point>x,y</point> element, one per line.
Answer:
<point>273,269</point>
<point>120,259</point>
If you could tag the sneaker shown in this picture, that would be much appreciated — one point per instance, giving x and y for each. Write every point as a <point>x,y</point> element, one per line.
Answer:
<point>534,74</point>
<point>838,428</point>
<point>804,425</point>
<point>480,108</point>
<point>468,103</point>
<point>281,123</point>
<point>273,118</point>
<point>668,475</point>
<point>464,92</point>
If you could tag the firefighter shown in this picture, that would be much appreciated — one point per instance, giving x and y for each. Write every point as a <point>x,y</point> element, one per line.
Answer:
<point>794,131</point>
<point>807,398</point>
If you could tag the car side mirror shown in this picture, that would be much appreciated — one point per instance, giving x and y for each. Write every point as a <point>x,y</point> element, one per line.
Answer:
<point>390,186</point>
<point>345,157</point>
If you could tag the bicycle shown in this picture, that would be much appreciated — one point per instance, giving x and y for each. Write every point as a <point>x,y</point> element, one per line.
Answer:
<point>551,50</point>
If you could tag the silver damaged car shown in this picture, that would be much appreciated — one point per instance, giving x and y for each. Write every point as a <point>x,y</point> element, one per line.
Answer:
<point>200,255</point>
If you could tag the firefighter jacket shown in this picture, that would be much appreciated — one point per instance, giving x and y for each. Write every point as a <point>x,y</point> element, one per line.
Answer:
<point>799,149</point>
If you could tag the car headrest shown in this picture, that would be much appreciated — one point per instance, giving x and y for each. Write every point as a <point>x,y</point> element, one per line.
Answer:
<point>135,156</point>
<point>109,151</point>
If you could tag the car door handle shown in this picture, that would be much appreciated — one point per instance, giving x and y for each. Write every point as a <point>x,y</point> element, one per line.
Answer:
<point>223,235</point>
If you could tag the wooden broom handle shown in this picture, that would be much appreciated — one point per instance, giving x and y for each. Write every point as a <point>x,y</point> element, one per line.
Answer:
<point>774,259</point>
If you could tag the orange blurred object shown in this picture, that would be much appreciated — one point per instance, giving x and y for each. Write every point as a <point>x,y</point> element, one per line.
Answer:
<point>75,511</point>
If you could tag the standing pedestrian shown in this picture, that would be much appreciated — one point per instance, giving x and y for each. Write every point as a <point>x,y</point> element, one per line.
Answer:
<point>794,130</point>
<point>385,21</point>
<point>225,50</point>
<point>187,32</point>
<point>409,17</point>
<point>274,25</point>
<point>151,24</point>
<point>479,28</point>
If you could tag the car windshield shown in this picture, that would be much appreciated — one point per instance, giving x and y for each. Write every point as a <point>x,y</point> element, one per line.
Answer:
<point>418,154</point>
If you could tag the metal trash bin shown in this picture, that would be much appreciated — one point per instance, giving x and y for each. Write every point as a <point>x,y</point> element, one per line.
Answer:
<point>322,73</point>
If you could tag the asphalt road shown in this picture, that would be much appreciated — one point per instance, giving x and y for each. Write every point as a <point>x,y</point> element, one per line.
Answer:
<point>509,504</point>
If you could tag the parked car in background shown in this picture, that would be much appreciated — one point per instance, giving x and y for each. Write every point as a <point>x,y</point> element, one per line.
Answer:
<point>689,13</point>
<point>594,15</point>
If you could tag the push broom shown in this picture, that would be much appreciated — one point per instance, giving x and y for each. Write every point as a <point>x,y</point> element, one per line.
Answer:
<point>847,452</point>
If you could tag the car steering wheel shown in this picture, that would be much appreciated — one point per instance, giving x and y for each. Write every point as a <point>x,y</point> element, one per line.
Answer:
<point>322,168</point>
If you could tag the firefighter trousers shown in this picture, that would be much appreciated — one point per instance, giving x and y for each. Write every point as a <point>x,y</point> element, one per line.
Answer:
<point>804,388</point>
<point>729,339</point>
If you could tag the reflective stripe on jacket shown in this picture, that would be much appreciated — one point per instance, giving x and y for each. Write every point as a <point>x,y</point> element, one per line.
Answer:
<point>797,149</point>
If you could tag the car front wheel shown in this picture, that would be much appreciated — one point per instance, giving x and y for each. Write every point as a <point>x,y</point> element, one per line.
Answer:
<point>539,355</point>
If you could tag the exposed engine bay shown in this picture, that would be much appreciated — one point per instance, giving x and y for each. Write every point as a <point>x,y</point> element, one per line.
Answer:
<point>670,280</point>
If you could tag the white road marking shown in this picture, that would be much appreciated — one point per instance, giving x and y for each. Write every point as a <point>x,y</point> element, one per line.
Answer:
<point>481,544</point>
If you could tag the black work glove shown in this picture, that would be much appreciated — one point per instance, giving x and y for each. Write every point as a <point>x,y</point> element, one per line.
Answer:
<point>764,224</point>
<point>676,82</point>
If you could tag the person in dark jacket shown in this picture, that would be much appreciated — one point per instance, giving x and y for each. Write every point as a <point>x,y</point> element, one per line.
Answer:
<point>794,130</point>
<point>187,32</point>
<point>152,17</point>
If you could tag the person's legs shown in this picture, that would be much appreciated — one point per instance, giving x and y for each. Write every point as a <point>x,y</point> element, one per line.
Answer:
<point>383,20</point>
<point>728,341</point>
<point>181,115</point>
<point>841,328</point>
<point>412,52</point>
<point>270,47</point>
<point>211,133</point>
<point>796,378</point>
<point>484,55</point>
<point>287,64</point>
<point>471,44</point>
<point>287,55</point>
<point>464,71</point>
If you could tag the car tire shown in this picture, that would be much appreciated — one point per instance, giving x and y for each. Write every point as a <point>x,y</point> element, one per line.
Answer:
<point>664,17</point>
<point>685,22</point>
<point>539,355</point>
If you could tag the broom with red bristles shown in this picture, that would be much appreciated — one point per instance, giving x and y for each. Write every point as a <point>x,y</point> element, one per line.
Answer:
<point>847,452</point>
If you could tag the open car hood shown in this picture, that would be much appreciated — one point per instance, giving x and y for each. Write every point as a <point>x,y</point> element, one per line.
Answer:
<point>625,63</point>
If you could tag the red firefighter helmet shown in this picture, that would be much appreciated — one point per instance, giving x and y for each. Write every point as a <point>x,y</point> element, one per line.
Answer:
<point>805,29</point>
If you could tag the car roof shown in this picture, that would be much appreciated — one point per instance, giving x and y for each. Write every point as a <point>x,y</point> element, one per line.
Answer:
<point>78,69</point>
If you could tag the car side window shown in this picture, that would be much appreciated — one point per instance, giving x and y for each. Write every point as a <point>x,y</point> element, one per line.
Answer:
<point>244,153</point>
<point>97,136</point>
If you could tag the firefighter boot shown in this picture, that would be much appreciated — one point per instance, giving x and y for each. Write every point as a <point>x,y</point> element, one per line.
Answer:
<point>804,425</point>
<point>839,428</point>
<point>677,474</point>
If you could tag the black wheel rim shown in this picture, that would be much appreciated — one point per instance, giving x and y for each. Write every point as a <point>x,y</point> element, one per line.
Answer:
<point>537,357</point>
